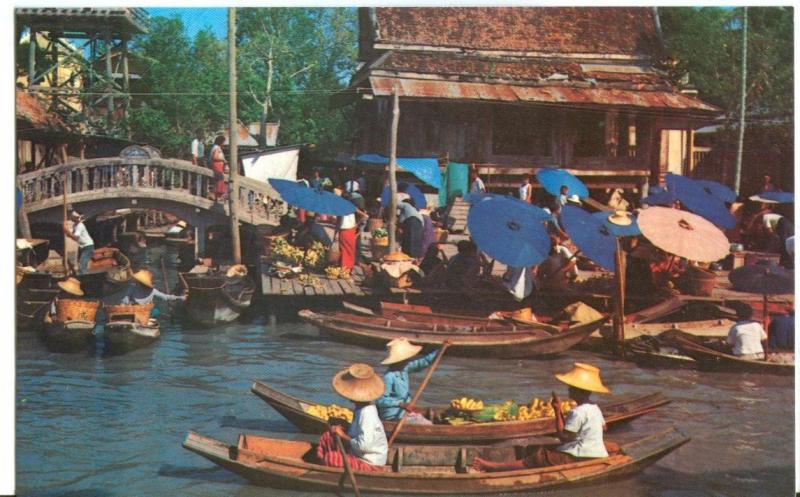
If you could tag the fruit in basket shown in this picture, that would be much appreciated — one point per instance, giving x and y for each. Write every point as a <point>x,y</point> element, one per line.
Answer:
<point>466,404</point>
<point>331,411</point>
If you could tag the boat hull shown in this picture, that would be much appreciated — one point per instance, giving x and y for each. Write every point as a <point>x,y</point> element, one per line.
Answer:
<point>212,300</point>
<point>127,335</point>
<point>713,360</point>
<point>69,335</point>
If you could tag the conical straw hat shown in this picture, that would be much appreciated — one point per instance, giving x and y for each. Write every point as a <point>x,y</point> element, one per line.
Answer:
<point>400,349</point>
<point>620,218</point>
<point>144,277</point>
<point>72,286</point>
<point>358,383</point>
<point>585,377</point>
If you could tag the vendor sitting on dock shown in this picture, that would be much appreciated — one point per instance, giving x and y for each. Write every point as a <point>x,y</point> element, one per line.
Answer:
<point>746,335</point>
<point>141,292</point>
<point>365,440</point>
<point>70,288</point>
<point>393,404</point>
<point>581,434</point>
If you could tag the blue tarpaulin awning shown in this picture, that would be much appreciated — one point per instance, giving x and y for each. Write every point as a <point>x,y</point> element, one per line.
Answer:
<point>424,168</point>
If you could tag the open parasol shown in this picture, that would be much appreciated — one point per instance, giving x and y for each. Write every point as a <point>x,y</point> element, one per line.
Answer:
<point>312,199</point>
<point>698,200</point>
<point>659,196</point>
<point>683,234</point>
<point>552,179</point>
<point>509,230</point>
<point>774,197</point>
<point>718,190</point>
<point>411,189</point>
<point>615,222</point>
<point>591,235</point>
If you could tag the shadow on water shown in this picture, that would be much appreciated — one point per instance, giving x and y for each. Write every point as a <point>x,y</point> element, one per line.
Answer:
<point>271,425</point>
<point>214,475</point>
<point>293,335</point>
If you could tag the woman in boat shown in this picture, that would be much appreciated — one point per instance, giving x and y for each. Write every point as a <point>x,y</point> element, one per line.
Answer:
<point>70,288</point>
<point>141,292</point>
<point>746,335</point>
<point>581,434</point>
<point>365,439</point>
<point>393,404</point>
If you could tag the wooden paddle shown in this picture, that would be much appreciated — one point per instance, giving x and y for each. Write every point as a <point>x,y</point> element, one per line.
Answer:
<point>419,392</point>
<point>347,469</point>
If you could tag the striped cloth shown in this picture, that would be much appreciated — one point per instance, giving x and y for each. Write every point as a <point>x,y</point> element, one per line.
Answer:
<point>329,454</point>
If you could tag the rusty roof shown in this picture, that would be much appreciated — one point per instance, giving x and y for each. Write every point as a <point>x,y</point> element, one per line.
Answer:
<point>569,30</point>
<point>562,95</point>
<point>33,111</point>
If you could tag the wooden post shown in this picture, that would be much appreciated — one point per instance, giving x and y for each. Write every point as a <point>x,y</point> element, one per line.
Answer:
<point>32,66</point>
<point>619,303</point>
<point>126,79</point>
<point>233,194</point>
<point>393,170</point>
<point>110,75</point>
<point>64,226</point>
<point>737,178</point>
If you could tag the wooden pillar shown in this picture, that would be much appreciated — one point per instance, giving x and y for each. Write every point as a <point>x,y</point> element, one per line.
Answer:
<point>611,133</point>
<point>110,76</point>
<point>690,150</point>
<point>393,170</point>
<point>126,79</point>
<point>233,194</point>
<point>619,302</point>
<point>32,60</point>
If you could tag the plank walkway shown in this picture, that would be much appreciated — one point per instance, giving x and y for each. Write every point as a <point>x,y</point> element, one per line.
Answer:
<point>274,286</point>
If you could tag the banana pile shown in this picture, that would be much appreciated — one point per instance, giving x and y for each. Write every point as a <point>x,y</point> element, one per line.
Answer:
<point>315,256</point>
<point>309,280</point>
<point>466,404</point>
<point>285,252</point>
<point>331,411</point>
<point>542,409</point>
<point>334,272</point>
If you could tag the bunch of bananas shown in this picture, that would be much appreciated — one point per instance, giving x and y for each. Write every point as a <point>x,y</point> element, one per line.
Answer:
<point>334,272</point>
<point>283,251</point>
<point>315,256</point>
<point>310,280</point>
<point>542,409</point>
<point>331,411</point>
<point>466,404</point>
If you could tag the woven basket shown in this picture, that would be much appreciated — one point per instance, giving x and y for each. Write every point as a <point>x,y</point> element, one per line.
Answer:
<point>76,310</point>
<point>141,313</point>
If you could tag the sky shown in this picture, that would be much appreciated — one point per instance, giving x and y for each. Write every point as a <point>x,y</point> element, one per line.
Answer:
<point>197,19</point>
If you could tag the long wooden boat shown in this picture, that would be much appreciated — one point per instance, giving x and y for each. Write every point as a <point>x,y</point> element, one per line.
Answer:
<point>124,335</point>
<point>423,470</point>
<point>215,299</point>
<point>711,359</point>
<point>514,343</point>
<point>31,306</point>
<point>68,336</point>
<point>618,411</point>
<point>108,271</point>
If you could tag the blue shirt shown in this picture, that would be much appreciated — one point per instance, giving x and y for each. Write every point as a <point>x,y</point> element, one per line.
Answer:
<point>397,391</point>
<point>140,295</point>
<point>781,333</point>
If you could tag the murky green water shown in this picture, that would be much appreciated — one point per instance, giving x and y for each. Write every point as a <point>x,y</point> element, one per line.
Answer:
<point>89,424</point>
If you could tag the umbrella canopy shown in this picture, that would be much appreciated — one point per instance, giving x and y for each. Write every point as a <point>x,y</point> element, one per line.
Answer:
<point>683,234</point>
<point>509,230</point>
<point>552,179</point>
<point>474,198</point>
<point>659,196</point>
<point>774,197</point>
<point>616,229</point>
<point>591,235</point>
<point>767,279</point>
<point>695,198</point>
<point>312,199</point>
<point>415,193</point>
<point>424,168</point>
<point>718,190</point>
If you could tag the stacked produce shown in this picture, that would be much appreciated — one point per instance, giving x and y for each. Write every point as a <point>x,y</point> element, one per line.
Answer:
<point>509,410</point>
<point>331,411</point>
<point>466,404</point>
<point>283,251</point>
<point>334,272</point>
<point>315,257</point>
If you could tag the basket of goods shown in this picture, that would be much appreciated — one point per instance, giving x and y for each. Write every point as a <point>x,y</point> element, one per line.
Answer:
<point>270,241</point>
<point>122,312</point>
<point>331,411</point>
<point>379,243</point>
<point>467,405</point>
<point>397,269</point>
<point>76,310</point>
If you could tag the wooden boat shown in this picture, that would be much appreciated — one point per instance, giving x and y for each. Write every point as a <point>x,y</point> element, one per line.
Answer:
<point>618,411</point>
<point>130,327</point>
<point>31,306</point>
<point>108,271</point>
<point>510,343</point>
<point>69,335</point>
<point>215,299</point>
<point>423,470</point>
<point>657,352</point>
<point>712,359</point>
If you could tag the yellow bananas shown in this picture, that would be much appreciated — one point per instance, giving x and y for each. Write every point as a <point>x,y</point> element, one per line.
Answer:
<point>542,409</point>
<point>331,411</point>
<point>466,404</point>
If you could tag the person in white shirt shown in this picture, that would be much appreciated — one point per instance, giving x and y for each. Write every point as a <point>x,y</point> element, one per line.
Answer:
<point>518,281</point>
<point>581,433</point>
<point>80,234</point>
<point>198,148</point>
<point>352,185</point>
<point>560,267</point>
<point>746,335</point>
<point>476,183</point>
<point>365,440</point>
<point>526,189</point>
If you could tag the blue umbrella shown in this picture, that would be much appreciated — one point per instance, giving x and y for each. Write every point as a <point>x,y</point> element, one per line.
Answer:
<point>616,229</point>
<point>509,230</point>
<point>779,197</point>
<point>591,235</point>
<point>718,190</point>
<point>415,193</point>
<point>552,179</point>
<point>696,199</point>
<point>474,198</point>
<point>424,168</point>
<point>312,199</point>
<point>661,197</point>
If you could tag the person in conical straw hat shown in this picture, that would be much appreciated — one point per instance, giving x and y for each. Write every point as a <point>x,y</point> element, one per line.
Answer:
<point>365,439</point>
<point>142,292</point>
<point>70,289</point>
<point>581,433</point>
<point>393,404</point>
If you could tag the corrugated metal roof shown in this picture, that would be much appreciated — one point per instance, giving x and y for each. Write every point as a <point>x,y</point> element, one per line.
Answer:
<point>31,109</point>
<point>382,86</point>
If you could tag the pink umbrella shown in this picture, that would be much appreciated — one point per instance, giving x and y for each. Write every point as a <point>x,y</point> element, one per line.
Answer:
<point>683,234</point>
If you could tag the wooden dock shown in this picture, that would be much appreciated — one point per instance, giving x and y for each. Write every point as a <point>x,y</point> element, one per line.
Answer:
<point>324,287</point>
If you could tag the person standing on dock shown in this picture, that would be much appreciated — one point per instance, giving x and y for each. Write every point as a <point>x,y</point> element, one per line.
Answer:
<point>526,189</point>
<point>80,234</point>
<point>218,165</point>
<point>141,292</point>
<point>412,224</point>
<point>476,183</point>
<point>393,404</point>
<point>746,335</point>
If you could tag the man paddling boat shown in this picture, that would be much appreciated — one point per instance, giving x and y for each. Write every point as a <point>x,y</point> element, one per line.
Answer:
<point>141,292</point>
<point>581,433</point>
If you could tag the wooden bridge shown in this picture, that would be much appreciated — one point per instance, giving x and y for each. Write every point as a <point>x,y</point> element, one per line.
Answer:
<point>176,186</point>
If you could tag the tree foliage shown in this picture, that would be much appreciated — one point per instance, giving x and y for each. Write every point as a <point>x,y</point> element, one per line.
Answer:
<point>707,43</point>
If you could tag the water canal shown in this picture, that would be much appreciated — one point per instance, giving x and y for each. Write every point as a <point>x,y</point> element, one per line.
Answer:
<point>95,425</point>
